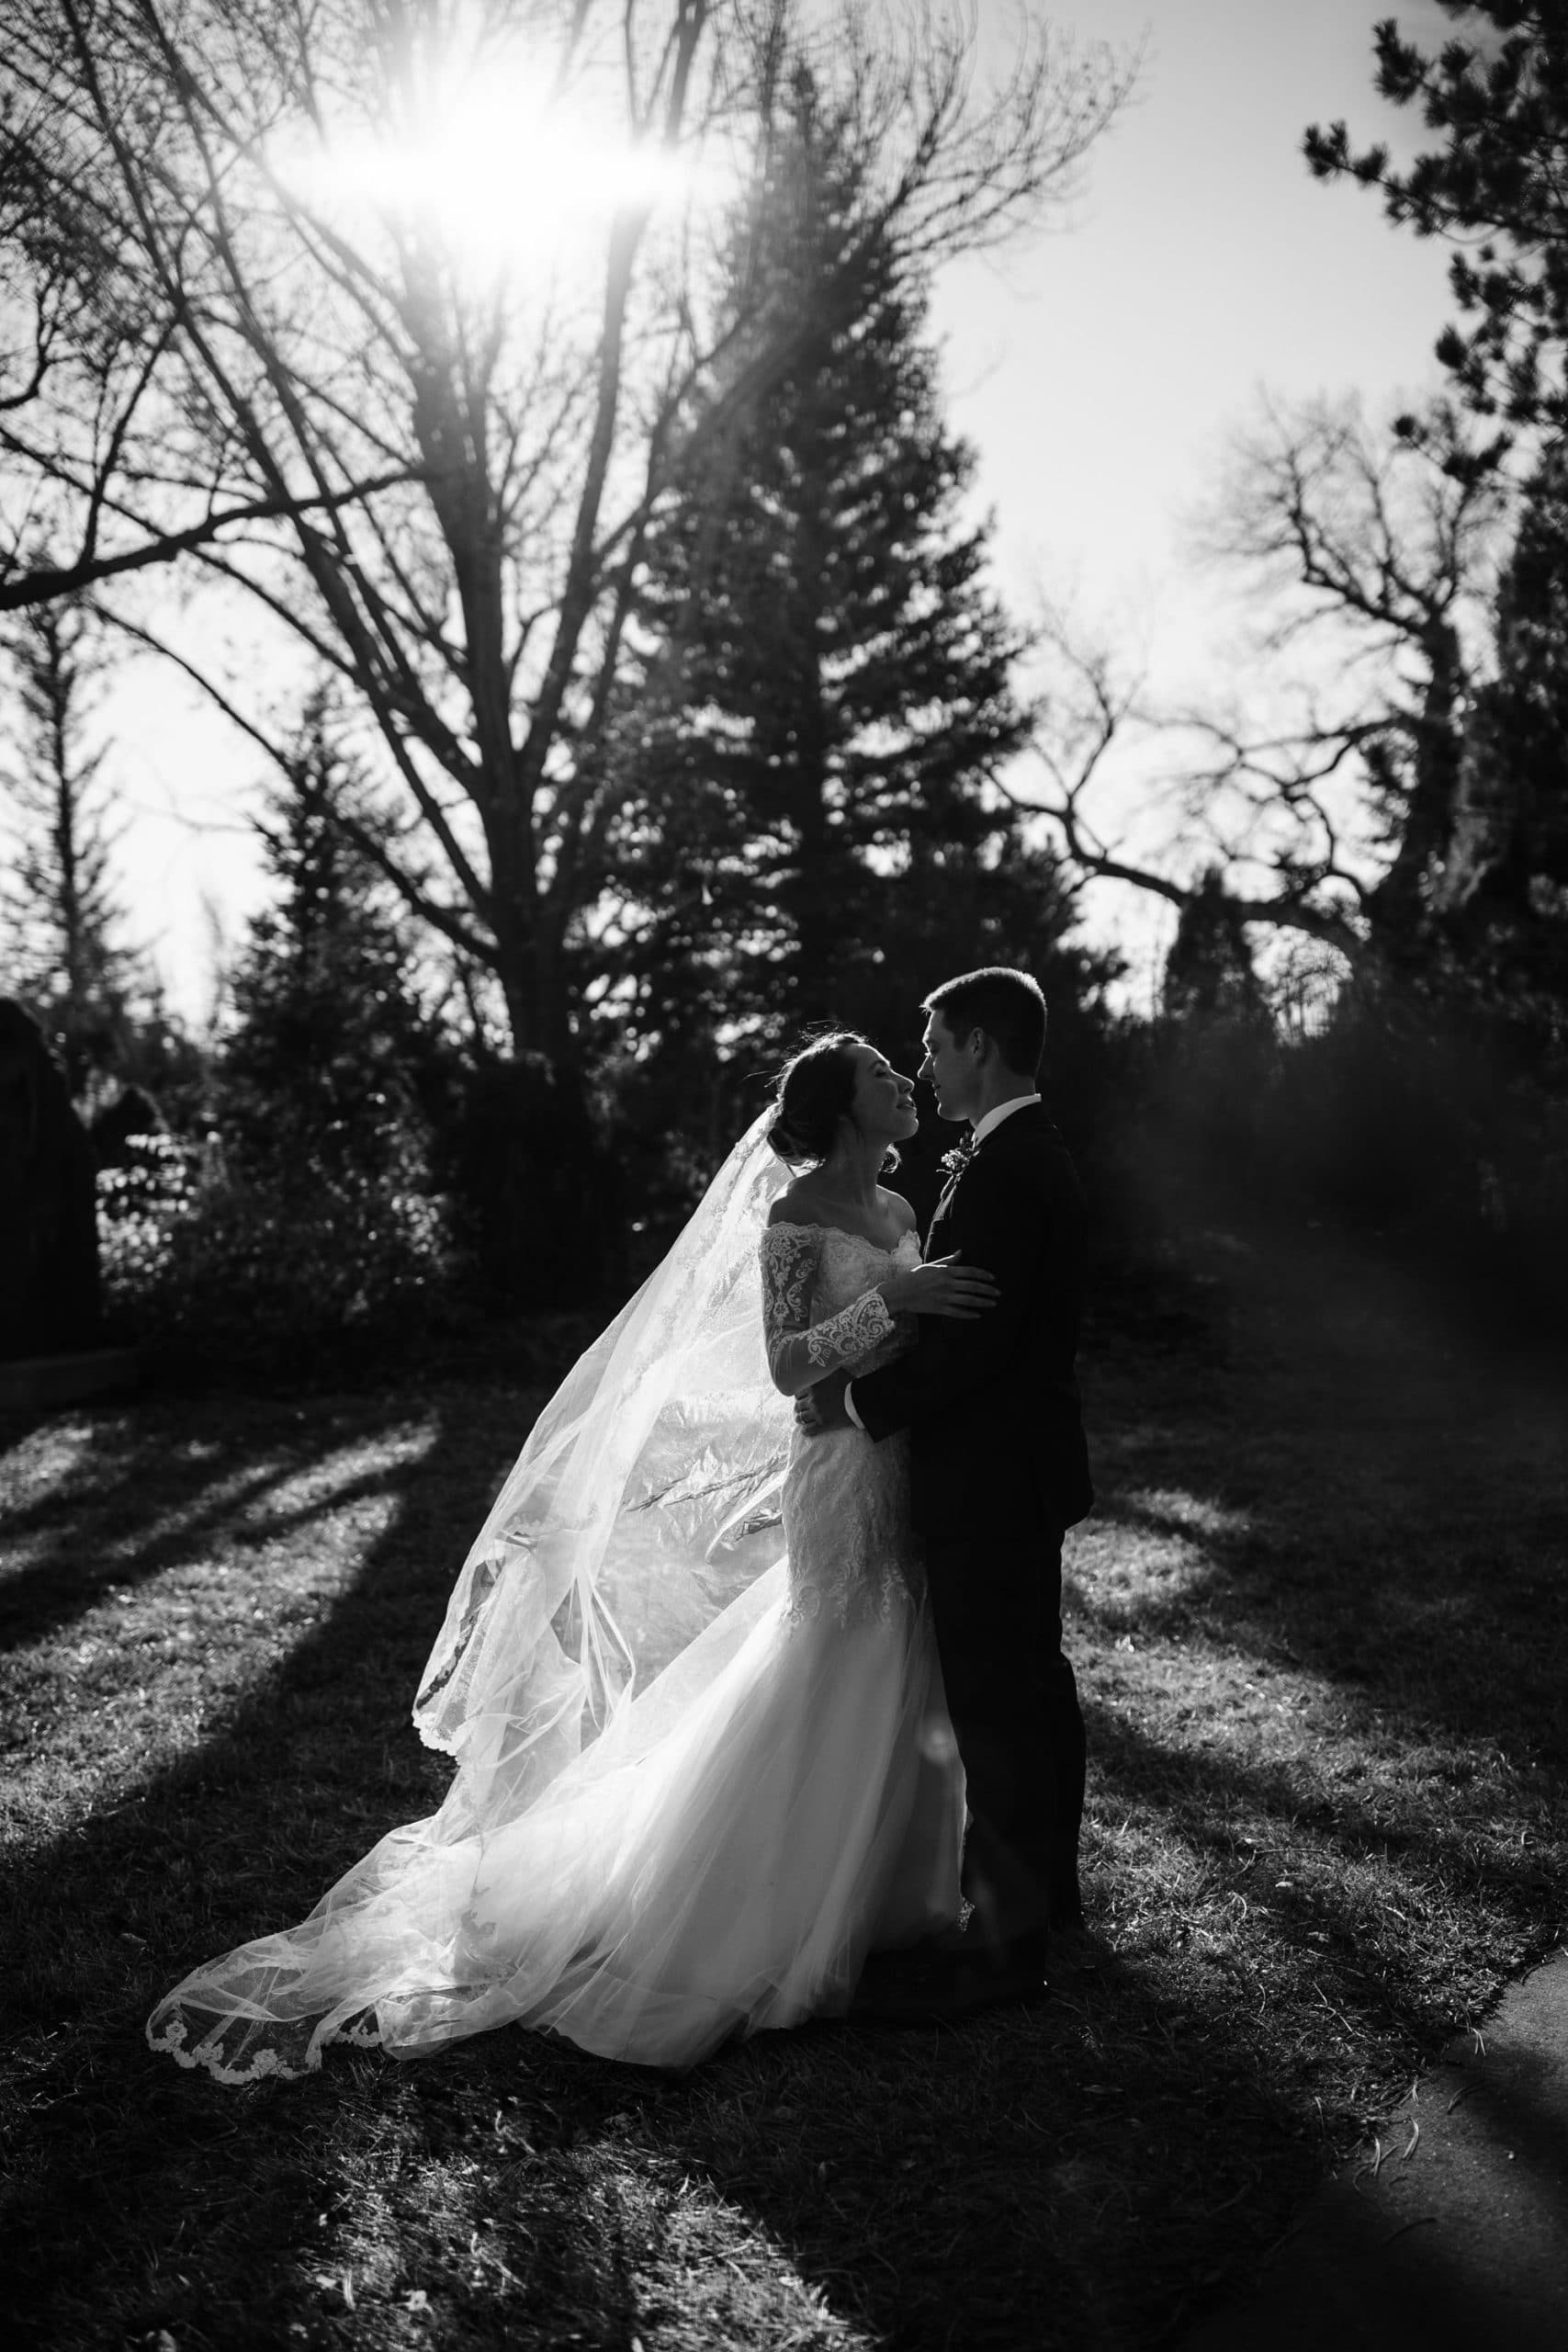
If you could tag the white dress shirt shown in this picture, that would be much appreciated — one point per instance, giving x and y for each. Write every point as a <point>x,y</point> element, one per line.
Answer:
<point>983,1127</point>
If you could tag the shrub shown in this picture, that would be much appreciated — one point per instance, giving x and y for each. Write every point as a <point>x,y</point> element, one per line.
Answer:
<point>1397,1121</point>
<point>323,1273</point>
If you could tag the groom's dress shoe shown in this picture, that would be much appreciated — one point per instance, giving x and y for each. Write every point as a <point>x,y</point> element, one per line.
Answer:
<point>948,1977</point>
<point>1000,1976</point>
<point>1075,1955</point>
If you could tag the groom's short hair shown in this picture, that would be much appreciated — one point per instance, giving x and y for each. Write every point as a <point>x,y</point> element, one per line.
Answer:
<point>1009,1006</point>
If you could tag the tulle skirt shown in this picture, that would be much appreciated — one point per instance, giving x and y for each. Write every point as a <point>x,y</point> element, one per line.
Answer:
<point>803,1806</point>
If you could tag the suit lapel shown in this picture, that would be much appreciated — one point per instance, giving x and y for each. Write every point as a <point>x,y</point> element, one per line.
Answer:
<point>1020,1125</point>
<point>945,1201</point>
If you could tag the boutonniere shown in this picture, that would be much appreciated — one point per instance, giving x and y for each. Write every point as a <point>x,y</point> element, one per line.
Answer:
<point>955,1161</point>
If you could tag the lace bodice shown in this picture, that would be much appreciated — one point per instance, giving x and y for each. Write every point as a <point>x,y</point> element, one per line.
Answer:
<point>821,1311</point>
<point>846,1502</point>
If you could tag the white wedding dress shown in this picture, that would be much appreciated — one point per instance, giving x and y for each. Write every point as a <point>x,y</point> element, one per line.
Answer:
<point>783,1796</point>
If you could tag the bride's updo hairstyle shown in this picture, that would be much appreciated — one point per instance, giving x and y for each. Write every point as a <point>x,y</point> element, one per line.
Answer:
<point>815,1089</point>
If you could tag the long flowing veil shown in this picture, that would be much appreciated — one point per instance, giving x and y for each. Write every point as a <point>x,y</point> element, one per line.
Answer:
<point>634,1547</point>
<point>643,1504</point>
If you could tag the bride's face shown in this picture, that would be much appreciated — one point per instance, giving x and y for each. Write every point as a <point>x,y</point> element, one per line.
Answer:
<point>883,1102</point>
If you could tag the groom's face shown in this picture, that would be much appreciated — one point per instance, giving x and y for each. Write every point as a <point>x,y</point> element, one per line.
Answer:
<point>949,1066</point>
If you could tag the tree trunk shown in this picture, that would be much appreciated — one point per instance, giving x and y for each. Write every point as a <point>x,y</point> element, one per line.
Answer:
<point>1400,905</point>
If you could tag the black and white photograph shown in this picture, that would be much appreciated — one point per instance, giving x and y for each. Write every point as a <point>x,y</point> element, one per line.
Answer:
<point>783,1175</point>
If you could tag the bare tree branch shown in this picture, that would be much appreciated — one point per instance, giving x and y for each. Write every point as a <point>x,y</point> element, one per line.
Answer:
<point>1383,548</point>
<point>42,585</point>
<point>437,479</point>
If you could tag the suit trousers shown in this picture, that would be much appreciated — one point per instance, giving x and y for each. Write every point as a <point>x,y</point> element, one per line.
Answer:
<point>1014,1706</point>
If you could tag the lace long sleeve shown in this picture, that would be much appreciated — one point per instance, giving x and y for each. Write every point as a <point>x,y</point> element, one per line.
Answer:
<point>801,1351</point>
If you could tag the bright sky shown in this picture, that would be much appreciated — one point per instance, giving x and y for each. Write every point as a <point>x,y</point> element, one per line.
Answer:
<point>1097,369</point>
<point>1101,371</point>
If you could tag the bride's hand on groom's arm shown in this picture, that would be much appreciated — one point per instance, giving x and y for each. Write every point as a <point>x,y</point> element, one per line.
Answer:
<point>942,1286</point>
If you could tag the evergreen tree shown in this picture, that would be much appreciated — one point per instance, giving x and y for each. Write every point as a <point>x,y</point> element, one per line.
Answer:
<point>319,1075</point>
<point>1502,900</point>
<point>1209,972</point>
<point>1497,95</point>
<point>815,788</point>
<point>1213,1058</point>
<point>62,953</point>
<point>314,1228</point>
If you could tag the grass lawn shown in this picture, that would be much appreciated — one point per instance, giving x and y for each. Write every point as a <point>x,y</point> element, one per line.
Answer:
<point>1319,1620</point>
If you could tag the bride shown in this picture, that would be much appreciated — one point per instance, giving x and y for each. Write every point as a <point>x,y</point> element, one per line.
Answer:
<point>703,1766</point>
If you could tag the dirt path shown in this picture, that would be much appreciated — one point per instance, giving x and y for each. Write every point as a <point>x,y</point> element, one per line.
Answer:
<point>1450,2232</point>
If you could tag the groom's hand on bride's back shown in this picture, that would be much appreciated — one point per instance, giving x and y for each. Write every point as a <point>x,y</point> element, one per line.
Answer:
<point>941,1286</point>
<point>821,1407</point>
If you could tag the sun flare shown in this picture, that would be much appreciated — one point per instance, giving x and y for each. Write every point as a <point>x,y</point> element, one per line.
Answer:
<point>512,178</point>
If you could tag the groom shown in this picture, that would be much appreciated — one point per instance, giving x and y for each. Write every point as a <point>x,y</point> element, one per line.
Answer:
<point>1000,1471</point>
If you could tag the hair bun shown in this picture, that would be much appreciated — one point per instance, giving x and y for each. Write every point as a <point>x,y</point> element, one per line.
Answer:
<point>816,1092</point>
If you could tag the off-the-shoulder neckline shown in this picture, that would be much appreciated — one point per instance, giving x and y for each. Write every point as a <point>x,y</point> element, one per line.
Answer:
<point>787,1225</point>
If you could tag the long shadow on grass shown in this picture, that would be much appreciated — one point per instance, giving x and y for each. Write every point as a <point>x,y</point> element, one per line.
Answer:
<point>1082,2163</point>
<point>1086,2167</point>
<point>1074,2175</point>
<point>1429,1580</point>
<point>1399,1584</point>
<point>107,1543</point>
<point>133,2174</point>
<point>1248,1820</point>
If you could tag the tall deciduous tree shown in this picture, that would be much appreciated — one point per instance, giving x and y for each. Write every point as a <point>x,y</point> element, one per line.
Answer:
<point>433,466</point>
<point>1385,551</point>
<point>1330,798</point>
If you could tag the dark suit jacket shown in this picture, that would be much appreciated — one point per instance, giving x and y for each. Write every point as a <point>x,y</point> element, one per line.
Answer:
<point>998,1391</point>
